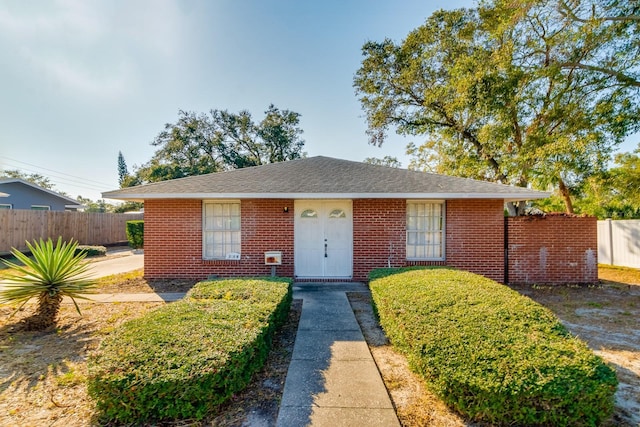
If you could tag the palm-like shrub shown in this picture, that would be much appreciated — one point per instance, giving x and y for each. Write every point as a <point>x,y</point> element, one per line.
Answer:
<point>54,272</point>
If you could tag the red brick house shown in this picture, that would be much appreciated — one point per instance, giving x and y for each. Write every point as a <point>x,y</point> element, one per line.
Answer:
<point>329,219</point>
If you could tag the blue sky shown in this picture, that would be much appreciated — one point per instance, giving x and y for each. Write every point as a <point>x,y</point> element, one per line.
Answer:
<point>81,80</point>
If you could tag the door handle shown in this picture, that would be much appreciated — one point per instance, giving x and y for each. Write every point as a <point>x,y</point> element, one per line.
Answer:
<point>325,249</point>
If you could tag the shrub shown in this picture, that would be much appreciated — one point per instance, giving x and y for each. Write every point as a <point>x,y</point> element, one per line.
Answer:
<point>53,271</point>
<point>135,233</point>
<point>489,352</point>
<point>184,359</point>
<point>91,250</point>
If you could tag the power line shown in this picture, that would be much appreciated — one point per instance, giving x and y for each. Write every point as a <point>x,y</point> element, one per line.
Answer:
<point>57,172</point>
<point>59,180</point>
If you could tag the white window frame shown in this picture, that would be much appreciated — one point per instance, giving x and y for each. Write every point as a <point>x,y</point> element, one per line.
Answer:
<point>428,232</point>
<point>227,234</point>
<point>6,206</point>
<point>40,207</point>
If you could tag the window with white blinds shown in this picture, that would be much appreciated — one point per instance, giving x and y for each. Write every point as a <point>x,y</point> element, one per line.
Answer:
<point>425,231</point>
<point>221,229</point>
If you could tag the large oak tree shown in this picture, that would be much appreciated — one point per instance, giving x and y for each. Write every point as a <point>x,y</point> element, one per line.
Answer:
<point>522,92</point>
<point>199,143</point>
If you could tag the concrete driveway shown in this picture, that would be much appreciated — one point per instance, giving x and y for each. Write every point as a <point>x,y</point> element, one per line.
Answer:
<point>119,261</point>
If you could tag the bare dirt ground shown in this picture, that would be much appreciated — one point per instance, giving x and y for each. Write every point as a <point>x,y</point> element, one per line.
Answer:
<point>42,374</point>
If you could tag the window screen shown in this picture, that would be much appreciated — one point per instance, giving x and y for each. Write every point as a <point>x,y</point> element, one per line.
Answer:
<point>425,230</point>
<point>221,229</point>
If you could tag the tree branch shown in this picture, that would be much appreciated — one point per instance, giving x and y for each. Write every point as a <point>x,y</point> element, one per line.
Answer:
<point>621,77</point>
<point>564,7</point>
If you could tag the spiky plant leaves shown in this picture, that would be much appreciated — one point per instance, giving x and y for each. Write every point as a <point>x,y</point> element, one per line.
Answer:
<point>53,272</point>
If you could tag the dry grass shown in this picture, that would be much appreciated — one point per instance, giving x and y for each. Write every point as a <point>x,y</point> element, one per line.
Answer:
<point>43,373</point>
<point>619,275</point>
<point>133,282</point>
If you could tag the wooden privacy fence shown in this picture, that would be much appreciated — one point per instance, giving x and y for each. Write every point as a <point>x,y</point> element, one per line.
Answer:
<point>619,242</point>
<point>18,226</point>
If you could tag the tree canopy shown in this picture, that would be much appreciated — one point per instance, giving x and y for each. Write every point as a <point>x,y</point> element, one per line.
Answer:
<point>34,178</point>
<point>123,171</point>
<point>610,194</point>
<point>389,161</point>
<point>528,92</point>
<point>200,143</point>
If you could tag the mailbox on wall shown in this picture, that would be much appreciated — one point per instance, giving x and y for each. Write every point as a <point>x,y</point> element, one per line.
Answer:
<point>273,258</point>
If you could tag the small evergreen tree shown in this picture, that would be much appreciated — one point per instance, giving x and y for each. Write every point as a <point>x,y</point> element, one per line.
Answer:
<point>123,172</point>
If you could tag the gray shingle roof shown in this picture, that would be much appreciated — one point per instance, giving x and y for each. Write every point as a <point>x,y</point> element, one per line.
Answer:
<point>323,177</point>
<point>70,202</point>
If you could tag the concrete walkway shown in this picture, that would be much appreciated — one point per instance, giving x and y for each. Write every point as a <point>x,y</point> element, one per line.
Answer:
<point>332,379</point>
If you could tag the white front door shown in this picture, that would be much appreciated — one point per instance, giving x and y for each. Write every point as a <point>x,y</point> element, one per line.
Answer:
<point>323,244</point>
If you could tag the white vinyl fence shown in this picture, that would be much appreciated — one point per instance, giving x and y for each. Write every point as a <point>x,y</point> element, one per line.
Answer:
<point>619,242</point>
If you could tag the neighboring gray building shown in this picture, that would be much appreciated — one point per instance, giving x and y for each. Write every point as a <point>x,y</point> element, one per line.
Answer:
<point>26,195</point>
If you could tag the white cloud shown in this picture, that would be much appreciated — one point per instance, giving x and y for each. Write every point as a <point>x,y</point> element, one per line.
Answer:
<point>72,20</point>
<point>81,80</point>
<point>91,48</point>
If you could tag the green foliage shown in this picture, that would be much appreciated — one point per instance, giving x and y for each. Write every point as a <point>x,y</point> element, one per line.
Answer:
<point>123,171</point>
<point>128,207</point>
<point>489,352</point>
<point>91,250</point>
<point>610,194</point>
<point>186,358</point>
<point>34,178</point>
<point>203,143</point>
<point>513,91</point>
<point>135,233</point>
<point>389,161</point>
<point>51,273</point>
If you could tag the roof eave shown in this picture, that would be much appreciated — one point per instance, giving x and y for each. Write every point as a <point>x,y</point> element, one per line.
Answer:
<point>37,187</point>
<point>507,197</point>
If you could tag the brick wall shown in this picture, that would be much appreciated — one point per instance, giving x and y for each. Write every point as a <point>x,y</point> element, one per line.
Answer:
<point>173,239</point>
<point>474,236</point>
<point>378,235</point>
<point>552,249</point>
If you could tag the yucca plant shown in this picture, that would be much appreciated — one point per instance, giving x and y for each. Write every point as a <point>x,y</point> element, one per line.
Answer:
<point>53,273</point>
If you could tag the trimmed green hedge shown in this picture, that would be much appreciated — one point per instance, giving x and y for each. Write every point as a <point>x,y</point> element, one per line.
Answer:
<point>489,352</point>
<point>135,233</point>
<point>187,357</point>
<point>91,250</point>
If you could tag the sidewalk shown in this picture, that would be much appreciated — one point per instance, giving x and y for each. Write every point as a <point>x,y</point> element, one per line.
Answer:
<point>332,379</point>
